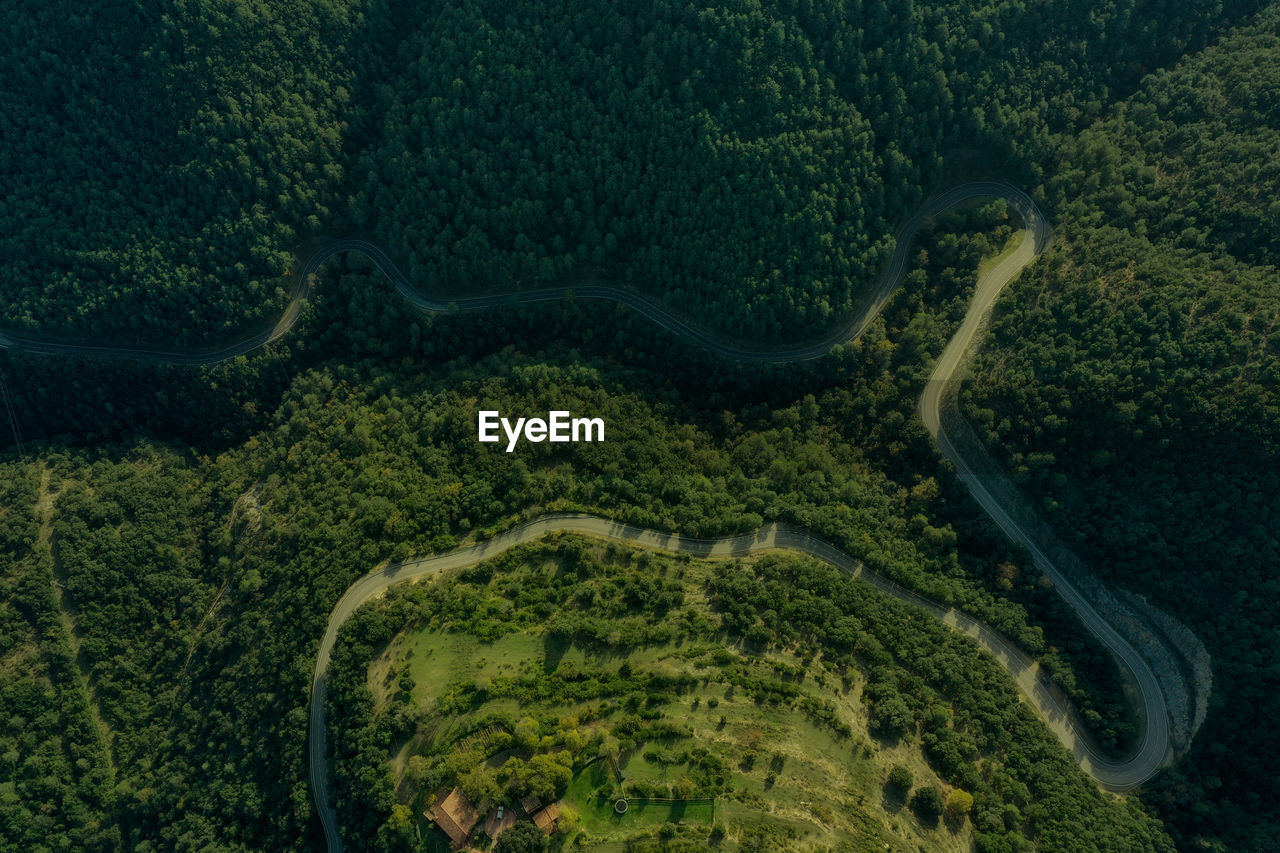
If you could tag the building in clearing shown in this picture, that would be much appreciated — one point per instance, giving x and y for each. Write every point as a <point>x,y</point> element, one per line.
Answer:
<point>546,819</point>
<point>530,804</point>
<point>455,815</point>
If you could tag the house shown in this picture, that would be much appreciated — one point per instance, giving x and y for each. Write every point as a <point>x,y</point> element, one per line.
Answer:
<point>531,804</point>
<point>546,819</point>
<point>455,815</point>
<point>499,821</point>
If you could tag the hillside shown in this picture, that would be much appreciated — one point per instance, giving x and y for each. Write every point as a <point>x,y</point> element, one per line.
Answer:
<point>173,536</point>
<point>779,689</point>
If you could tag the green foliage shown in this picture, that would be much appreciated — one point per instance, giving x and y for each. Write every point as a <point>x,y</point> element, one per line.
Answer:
<point>927,803</point>
<point>165,157</point>
<point>959,802</point>
<point>745,163</point>
<point>56,782</point>
<point>190,570</point>
<point>751,159</point>
<point>1131,387</point>
<point>545,776</point>
<point>964,704</point>
<point>900,781</point>
<point>522,838</point>
<point>480,784</point>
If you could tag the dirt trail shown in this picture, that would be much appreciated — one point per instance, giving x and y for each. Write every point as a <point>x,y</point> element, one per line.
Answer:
<point>45,545</point>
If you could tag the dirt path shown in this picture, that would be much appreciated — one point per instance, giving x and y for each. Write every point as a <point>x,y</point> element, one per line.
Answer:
<point>45,544</point>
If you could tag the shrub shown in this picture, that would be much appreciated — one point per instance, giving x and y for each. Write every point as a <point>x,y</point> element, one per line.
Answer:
<point>959,802</point>
<point>900,781</point>
<point>927,804</point>
<point>522,838</point>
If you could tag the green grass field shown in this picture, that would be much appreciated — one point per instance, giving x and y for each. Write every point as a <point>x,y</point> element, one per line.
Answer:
<point>599,817</point>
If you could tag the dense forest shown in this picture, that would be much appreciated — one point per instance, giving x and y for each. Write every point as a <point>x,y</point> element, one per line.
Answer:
<point>167,158</point>
<point>173,537</point>
<point>163,159</point>
<point>749,162</point>
<point>1132,384</point>
<point>56,775</point>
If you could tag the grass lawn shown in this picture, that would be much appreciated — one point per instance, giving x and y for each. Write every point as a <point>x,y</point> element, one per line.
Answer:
<point>600,819</point>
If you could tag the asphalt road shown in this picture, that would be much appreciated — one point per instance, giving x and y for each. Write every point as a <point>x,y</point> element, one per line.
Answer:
<point>939,391</point>
<point>1060,717</point>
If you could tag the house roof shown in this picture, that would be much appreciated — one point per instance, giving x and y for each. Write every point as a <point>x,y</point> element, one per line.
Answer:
<point>530,804</point>
<point>456,815</point>
<point>546,819</point>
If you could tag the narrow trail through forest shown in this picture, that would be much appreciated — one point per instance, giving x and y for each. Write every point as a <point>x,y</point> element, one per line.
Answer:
<point>46,549</point>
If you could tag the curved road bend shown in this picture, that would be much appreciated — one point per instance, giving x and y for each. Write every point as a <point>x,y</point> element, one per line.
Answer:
<point>1021,667</point>
<point>1117,776</point>
<point>939,390</point>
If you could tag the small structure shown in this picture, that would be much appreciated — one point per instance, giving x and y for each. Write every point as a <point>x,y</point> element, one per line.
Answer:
<point>546,819</point>
<point>499,821</point>
<point>620,806</point>
<point>531,804</point>
<point>455,815</point>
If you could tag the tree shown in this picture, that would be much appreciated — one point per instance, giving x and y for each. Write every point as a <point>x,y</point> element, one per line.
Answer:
<point>479,784</point>
<point>527,733</point>
<point>418,766</point>
<point>900,781</point>
<point>522,838</point>
<point>959,803</point>
<point>927,804</point>
<point>397,834</point>
<point>568,821</point>
<point>891,716</point>
<point>549,774</point>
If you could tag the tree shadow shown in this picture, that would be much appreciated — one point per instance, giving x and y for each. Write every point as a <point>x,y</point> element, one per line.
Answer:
<point>553,651</point>
<point>892,799</point>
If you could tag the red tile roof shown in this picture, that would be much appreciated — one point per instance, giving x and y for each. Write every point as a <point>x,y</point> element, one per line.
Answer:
<point>455,815</point>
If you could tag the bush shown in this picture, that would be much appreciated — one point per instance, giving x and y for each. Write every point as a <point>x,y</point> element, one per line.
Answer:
<point>927,804</point>
<point>959,802</point>
<point>522,838</point>
<point>900,781</point>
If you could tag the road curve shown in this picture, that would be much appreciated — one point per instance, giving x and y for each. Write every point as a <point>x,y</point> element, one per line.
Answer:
<point>939,391</point>
<point>1020,666</point>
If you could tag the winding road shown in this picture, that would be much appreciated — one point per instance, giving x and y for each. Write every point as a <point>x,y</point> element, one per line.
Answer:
<point>300,290</point>
<point>939,392</point>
